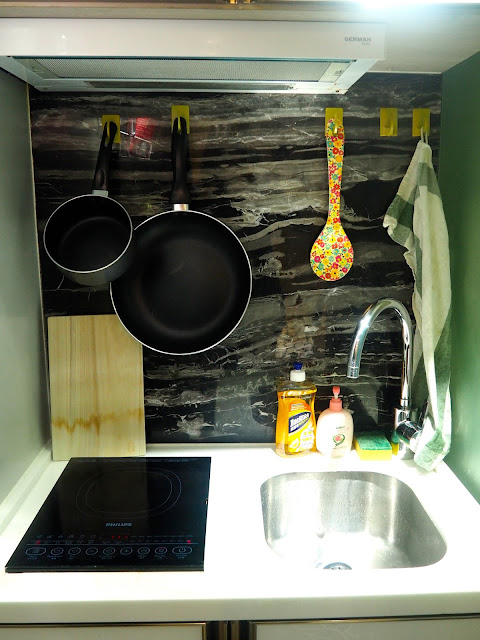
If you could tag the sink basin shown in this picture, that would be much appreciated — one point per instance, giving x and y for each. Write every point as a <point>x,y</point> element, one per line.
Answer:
<point>348,520</point>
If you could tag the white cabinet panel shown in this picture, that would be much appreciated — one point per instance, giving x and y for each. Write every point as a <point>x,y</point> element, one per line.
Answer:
<point>439,629</point>
<point>107,632</point>
<point>23,380</point>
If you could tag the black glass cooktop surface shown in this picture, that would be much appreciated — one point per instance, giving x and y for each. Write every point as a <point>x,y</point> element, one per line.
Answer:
<point>120,514</point>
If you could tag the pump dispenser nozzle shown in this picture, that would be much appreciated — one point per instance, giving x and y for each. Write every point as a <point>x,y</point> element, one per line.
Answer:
<point>335,402</point>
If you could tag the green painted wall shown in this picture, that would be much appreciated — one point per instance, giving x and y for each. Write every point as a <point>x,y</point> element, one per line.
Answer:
<point>459,178</point>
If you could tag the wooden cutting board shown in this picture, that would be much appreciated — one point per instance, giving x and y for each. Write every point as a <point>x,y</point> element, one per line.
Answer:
<point>96,388</point>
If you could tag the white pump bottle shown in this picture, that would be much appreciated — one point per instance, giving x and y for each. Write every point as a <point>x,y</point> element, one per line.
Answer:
<point>334,429</point>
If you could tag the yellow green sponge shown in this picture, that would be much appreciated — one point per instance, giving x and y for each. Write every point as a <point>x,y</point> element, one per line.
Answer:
<point>372,445</point>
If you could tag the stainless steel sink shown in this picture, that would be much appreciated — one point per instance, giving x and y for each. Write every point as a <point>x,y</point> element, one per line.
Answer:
<point>348,520</point>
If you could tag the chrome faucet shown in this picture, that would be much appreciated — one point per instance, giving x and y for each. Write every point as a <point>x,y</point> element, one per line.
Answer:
<point>404,427</point>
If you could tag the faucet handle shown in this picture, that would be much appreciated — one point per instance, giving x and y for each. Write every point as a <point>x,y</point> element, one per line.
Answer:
<point>423,413</point>
<point>408,430</point>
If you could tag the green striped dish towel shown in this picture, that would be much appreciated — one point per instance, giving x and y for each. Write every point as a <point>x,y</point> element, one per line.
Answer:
<point>416,220</point>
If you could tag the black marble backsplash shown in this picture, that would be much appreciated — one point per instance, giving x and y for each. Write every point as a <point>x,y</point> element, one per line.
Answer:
<point>258,163</point>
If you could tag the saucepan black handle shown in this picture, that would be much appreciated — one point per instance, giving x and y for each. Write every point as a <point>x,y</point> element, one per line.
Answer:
<point>180,194</point>
<point>100,179</point>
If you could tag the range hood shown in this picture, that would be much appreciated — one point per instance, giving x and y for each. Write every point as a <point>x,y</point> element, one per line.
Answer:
<point>189,55</point>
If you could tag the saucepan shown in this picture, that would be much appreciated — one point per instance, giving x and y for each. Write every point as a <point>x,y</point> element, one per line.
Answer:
<point>190,282</point>
<point>89,238</point>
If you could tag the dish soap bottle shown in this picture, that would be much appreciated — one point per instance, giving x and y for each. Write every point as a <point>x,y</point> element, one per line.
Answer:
<point>295,433</point>
<point>334,429</point>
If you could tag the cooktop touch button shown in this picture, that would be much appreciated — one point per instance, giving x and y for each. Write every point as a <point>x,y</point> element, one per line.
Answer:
<point>35,551</point>
<point>57,551</point>
<point>161,550</point>
<point>74,551</point>
<point>126,551</point>
<point>109,551</point>
<point>182,551</point>
<point>143,551</point>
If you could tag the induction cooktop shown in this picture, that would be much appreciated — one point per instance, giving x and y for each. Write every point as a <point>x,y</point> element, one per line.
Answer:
<point>120,514</point>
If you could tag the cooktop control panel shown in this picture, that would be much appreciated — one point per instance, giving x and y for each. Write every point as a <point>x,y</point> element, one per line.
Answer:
<point>83,549</point>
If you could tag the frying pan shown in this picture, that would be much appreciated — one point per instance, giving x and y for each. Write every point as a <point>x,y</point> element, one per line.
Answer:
<point>190,283</point>
<point>89,238</point>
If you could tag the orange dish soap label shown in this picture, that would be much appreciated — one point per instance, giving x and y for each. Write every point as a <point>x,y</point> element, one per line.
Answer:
<point>301,426</point>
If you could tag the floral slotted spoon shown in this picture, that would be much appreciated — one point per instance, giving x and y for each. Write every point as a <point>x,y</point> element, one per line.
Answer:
<point>331,257</point>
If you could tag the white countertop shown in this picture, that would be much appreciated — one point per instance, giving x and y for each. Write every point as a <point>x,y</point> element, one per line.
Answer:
<point>243,578</point>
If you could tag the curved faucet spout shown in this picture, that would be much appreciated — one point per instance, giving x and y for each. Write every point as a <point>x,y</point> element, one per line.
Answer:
<point>358,340</point>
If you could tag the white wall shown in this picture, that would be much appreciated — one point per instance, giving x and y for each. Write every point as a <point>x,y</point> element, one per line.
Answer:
<point>24,422</point>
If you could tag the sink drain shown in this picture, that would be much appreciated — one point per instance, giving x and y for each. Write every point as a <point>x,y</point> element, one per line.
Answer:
<point>338,566</point>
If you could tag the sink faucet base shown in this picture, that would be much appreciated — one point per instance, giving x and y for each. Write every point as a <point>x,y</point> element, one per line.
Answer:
<point>404,428</point>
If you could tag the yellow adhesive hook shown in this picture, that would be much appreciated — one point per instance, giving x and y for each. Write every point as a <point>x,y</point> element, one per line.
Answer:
<point>181,111</point>
<point>388,122</point>
<point>335,114</point>
<point>420,120</point>
<point>116,120</point>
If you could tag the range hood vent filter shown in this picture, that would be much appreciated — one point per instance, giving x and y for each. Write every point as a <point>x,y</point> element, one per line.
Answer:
<point>174,69</point>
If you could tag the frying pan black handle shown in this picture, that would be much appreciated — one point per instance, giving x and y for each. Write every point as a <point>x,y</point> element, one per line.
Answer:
<point>180,194</point>
<point>100,179</point>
